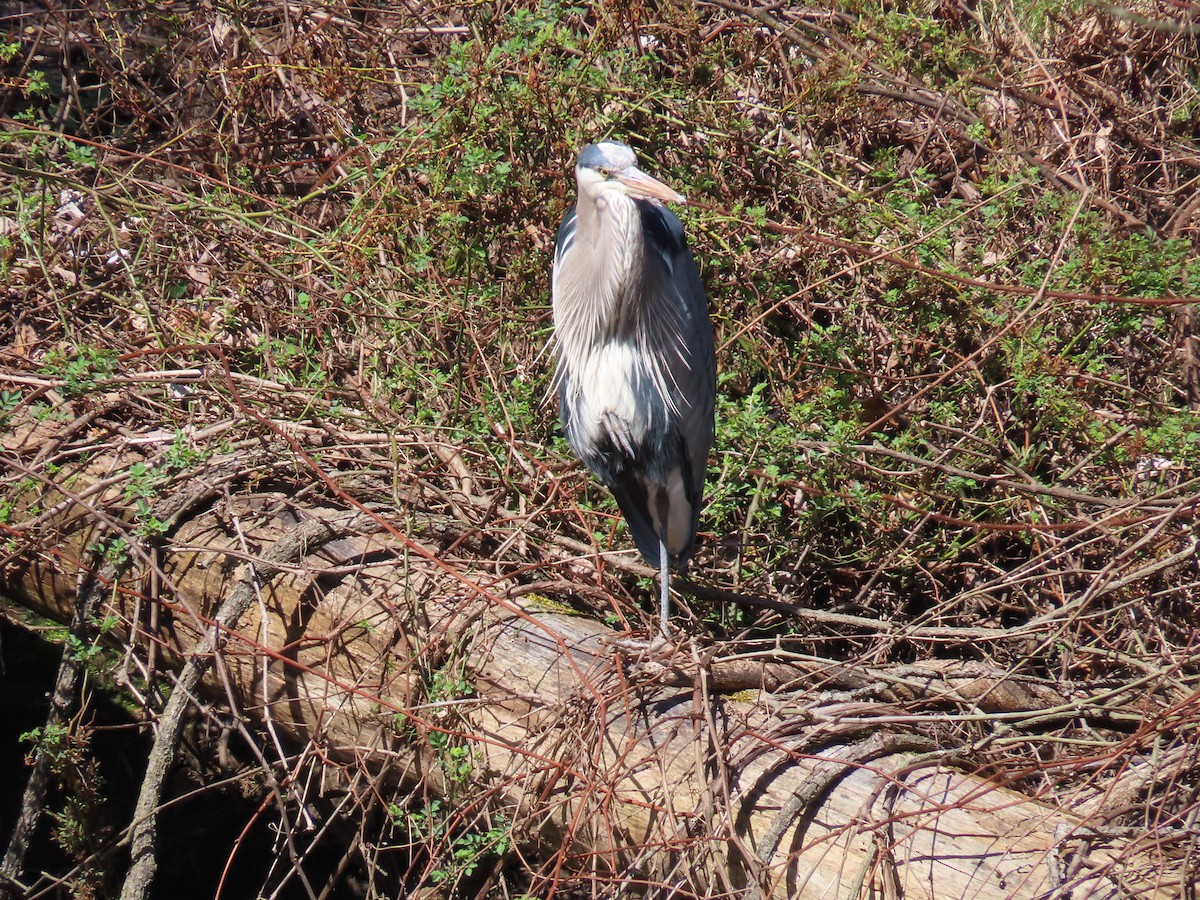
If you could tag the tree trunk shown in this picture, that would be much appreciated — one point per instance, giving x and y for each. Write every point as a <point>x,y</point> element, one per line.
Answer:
<point>663,768</point>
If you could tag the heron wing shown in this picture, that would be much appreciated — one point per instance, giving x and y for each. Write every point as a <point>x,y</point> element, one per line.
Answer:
<point>565,236</point>
<point>676,311</point>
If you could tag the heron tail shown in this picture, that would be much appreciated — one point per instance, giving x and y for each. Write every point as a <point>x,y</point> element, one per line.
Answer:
<point>659,519</point>
<point>631,495</point>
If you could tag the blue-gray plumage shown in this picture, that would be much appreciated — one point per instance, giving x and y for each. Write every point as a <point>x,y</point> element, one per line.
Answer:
<point>636,371</point>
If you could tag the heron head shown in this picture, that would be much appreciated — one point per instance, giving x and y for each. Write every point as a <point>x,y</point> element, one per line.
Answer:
<point>611,166</point>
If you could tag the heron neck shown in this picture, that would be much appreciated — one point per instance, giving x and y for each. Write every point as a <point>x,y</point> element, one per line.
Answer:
<point>611,231</point>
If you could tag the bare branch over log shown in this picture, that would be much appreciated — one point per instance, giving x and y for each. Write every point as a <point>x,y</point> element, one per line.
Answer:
<point>678,768</point>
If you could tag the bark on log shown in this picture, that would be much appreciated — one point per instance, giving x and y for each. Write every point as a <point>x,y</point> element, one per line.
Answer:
<point>630,768</point>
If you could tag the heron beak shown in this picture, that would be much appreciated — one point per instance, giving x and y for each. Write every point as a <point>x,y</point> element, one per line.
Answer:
<point>639,184</point>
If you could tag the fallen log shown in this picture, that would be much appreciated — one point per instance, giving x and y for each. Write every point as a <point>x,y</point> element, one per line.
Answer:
<point>647,767</point>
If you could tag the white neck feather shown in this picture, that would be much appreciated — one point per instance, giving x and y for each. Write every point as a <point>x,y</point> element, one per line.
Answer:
<point>593,289</point>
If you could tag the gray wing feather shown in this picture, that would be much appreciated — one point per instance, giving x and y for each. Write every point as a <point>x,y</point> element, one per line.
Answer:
<point>676,308</point>
<point>677,303</point>
<point>565,236</point>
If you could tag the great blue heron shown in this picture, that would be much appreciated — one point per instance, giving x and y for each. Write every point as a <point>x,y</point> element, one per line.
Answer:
<point>636,371</point>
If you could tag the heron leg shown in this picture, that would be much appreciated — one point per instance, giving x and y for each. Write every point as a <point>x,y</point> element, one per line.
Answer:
<point>664,602</point>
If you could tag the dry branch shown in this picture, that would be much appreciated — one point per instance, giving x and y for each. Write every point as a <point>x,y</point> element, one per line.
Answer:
<point>279,227</point>
<point>64,704</point>
<point>291,547</point>
<point>684,770</point>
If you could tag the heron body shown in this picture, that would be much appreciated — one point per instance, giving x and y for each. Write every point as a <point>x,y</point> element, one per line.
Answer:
<point>636,374</point>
